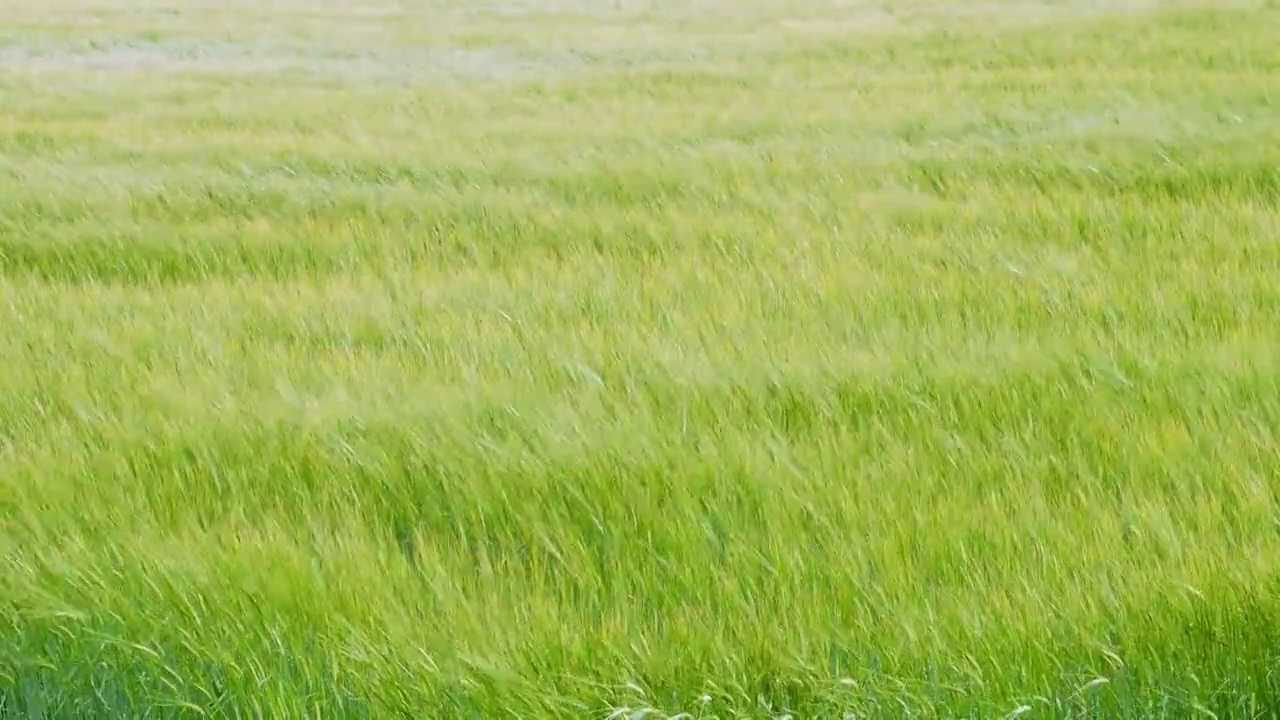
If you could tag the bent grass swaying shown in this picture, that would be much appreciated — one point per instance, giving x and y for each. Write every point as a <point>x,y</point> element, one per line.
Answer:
<point>591,360</point>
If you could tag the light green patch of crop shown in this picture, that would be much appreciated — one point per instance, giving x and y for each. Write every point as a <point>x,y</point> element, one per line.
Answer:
<point>638,359</point>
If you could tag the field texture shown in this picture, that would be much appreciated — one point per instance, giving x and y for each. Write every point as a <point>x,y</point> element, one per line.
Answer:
<point>607,358</point>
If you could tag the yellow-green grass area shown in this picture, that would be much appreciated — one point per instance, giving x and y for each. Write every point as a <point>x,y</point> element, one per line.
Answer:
<point>616,359</point>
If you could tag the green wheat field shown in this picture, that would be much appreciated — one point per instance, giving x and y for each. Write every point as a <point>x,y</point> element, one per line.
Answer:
<point>639,359</point>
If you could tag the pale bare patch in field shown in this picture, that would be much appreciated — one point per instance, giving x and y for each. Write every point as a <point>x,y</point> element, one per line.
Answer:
<point>431,40</point>
<point>331,40</point>
<point>434,17</point>
<point>229,57</point>
<point>834,18</point>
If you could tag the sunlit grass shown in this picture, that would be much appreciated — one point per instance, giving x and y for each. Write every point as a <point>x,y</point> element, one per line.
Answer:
<point>722,359</point>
